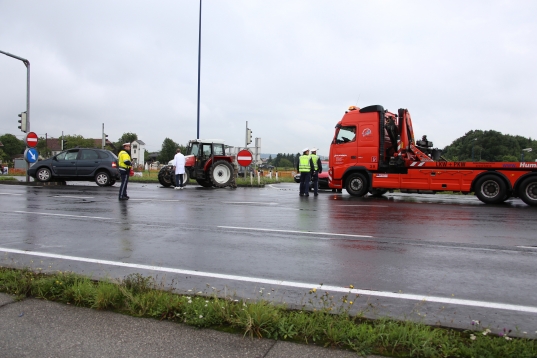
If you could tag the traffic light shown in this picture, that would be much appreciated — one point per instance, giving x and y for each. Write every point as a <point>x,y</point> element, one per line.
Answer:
<point>64,142</point>
<point>248,136</point>
<point>104,139</point>
<point>23,122</point>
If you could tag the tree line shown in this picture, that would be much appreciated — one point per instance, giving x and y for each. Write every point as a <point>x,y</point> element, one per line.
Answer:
<point>490,146</point>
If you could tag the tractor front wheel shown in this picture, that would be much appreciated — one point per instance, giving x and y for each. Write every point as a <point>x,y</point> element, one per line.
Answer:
<point>166,176</point>
<point>221,173</point>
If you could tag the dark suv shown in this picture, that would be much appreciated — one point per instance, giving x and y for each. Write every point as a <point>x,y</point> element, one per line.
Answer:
<point>78,164</point>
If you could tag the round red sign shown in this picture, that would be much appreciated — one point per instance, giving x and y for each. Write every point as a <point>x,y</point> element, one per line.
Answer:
<point>31,140</point>
<point>244,158</point>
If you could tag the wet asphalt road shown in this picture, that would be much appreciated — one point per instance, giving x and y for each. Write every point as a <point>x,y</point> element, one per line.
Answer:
<point>245,242</point>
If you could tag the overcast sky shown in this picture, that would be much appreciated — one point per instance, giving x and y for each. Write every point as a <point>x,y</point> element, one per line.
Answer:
<point>289,67</point>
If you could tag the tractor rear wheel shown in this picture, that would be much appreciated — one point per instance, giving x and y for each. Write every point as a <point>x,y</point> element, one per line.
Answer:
<point>221,173</point>
<point>166,176</point>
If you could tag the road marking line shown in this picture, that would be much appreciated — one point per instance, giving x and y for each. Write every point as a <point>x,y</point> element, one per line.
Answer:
<point>404,296</point>
<point>64,215</point>
<point>291,231</point>
<point>528,247</point>
<point>9,194</point>
<point>73,196</point>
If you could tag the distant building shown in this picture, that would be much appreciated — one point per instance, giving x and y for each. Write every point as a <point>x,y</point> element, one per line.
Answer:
<point>137,152</point>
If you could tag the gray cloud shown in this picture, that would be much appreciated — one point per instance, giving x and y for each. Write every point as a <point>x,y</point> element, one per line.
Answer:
<point>289,68</point>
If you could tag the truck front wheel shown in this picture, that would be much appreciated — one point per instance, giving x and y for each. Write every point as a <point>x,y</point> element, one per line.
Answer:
<point>528,191</point>
<point>490,189</point>
<point>356,184</point>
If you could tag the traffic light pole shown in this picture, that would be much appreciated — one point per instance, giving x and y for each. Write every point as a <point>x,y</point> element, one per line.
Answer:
<point>27,64</point>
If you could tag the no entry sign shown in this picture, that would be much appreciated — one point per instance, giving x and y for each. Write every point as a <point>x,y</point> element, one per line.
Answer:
<point>244,158</point>
<point>31,140</point>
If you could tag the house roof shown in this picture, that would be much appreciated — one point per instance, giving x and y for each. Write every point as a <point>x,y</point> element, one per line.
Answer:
<point>141,142</point>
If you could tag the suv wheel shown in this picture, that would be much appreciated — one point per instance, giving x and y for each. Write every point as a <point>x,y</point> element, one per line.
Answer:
<point>102,179</point>
<point>43,174</point>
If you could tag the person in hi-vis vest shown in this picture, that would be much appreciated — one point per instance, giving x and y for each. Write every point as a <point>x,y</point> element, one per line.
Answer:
<point>317,168</point>
<point>305,167</point>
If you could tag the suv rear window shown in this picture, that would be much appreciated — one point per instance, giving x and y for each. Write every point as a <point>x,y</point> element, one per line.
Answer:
<point>103,155</point>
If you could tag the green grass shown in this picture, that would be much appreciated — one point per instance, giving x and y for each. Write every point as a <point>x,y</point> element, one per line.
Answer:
<point>7,178</point>
<point>328,323</point>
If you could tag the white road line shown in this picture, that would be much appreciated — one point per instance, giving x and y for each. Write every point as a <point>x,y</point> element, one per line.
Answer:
<point>291,231</point>
<point>403,296</point>
<point>9,194</point>
<point>528,247</point>
<point>75,197</point>
<point>64,215</point>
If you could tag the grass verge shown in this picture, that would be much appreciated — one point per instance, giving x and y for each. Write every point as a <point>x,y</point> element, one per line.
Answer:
<point>141,296</point>
<point>7,178</point>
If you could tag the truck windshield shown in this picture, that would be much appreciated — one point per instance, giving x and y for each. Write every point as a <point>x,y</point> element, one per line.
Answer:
<point>346,134</point>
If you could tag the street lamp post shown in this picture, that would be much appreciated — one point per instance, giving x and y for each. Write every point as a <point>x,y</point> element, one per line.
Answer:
<point>27,64</point>
<point>473,145</point>
<point>522,155</point>
<point>199,61</point>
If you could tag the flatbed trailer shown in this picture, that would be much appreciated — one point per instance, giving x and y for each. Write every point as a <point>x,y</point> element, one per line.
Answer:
<point>374,151</point>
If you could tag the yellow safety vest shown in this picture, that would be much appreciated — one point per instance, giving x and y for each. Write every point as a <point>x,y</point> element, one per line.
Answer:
<point>315,159</point>
<point>122,157</point>
<point>304,163</point>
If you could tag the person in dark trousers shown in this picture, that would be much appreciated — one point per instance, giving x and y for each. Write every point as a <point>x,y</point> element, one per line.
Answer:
<point>305,167</point>
<point>124,161</point>
<point>317,168</point>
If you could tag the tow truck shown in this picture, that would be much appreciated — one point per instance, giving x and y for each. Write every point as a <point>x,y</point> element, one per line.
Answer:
<point>374,151</point>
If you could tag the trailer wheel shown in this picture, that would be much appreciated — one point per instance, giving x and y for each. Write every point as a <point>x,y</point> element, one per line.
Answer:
<point>490,189</point>
<point>528,191</point>
<point>221,173</point>
<point>378,192</point>
<point>356,184</point>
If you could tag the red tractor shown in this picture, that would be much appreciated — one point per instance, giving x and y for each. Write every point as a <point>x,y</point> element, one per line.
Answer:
<point>206,162</point>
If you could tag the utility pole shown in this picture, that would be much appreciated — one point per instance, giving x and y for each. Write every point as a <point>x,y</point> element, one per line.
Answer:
<point>27,64</point>
<point>199,71</point>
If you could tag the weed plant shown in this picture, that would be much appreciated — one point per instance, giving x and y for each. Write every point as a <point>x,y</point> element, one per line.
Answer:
<point>326,323</point>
